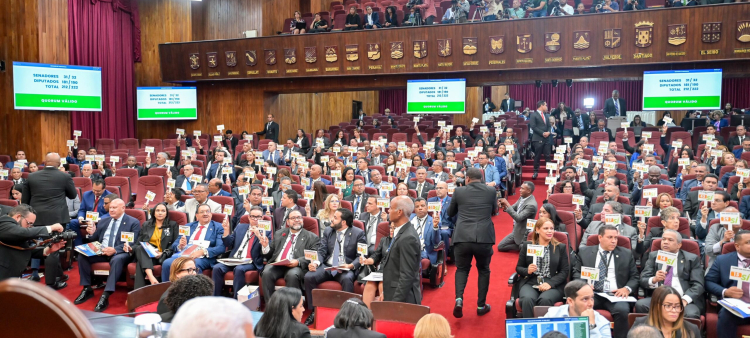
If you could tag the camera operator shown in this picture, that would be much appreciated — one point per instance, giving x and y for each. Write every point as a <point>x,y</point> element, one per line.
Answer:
<point>428,11</point>
<point>16,232</point>
<point>452,14</point>
<point>633,5</point>
<point>537,8</point>
<point>494,10</point>
<point>606,7</point>
<point>563,8</point>
<point>516,12</point>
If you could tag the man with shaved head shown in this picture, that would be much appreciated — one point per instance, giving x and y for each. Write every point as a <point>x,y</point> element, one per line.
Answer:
<point>315,172</point>
<point>46,190</point>
<point>108,232</point>
<point>401,264</point>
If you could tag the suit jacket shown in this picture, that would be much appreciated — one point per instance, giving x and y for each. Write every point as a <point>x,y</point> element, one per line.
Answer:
<point>401,267</point>
<point>128,224</point>
<point>356,332</point>
<point>430,237</point>
<point>12,261</point>
<point>507,105</point>
<point>306,241</point>
<point>234,241</point>
<point>214,235</point>
<point>4,209</point>
<point>425,189</point>
<point>626,272</point>
<point>88,204</point>
<point>381,160</point>
<point>717,277</point>
<point>581,126</point>
<point>45,191</point>
<point>139,168</point>
<point>191,206</point>
<point>689,273</point>
<point>627,209</point>
<point>735,141</point>
<point>232,145</point>
<point>375,22</point>
<point>215,172</point>
<point>173,169</point>
<point>325,181</point>
<point>169,234</point>
<point>288,152</point>
<point>362,202</point>
<point>655,233</point>
<point>559,267</point>
<point>278,216</point>
<point>443,176</point>
<point>446,221</point>
<point>365,219</point>
<point>609,107</point>
<point>181,179</point>
<point>277,157</point>
<point>222,193</point>
<point>477,203</point>
<point>271,131</point>
<point>539,126</point>
<point>528,210</point>
<point>364,174</point>
<point>491,175</point>
<point>352,237</point>
<point>625,230</point>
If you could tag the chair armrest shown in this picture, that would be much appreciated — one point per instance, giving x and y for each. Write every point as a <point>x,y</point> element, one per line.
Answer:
<point>439,247</point>
<point>513,279</point>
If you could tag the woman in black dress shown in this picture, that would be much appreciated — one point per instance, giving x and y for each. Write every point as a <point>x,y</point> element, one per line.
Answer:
<point>353,22</point>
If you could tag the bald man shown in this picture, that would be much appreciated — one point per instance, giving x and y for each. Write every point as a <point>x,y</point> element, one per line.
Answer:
<point>46,190</point>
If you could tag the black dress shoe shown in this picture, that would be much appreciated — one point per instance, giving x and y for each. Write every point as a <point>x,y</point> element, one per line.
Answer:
<point>85,295</point>
<point>102,304</point>
<point>310,320</point>
<point>59,285</point>
<point>533,177</point>
<point>63,278</point>
<point>483,311</point>
<point>458,310</point>
<point>35,278</point>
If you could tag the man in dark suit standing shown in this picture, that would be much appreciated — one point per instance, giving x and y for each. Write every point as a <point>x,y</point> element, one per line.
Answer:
<point>18,229</point>
<point>290,244</point>
<point>271,129</point>
<point>401,265</point>
<point>338,248</point>
<point>719,284</point>
<point>473,237</point>
<point>615,106</point>
<point>114,250</point>
<point>288,204</point>
<point>524,208</point>
<point>46,190</point>
<point>618,275</point>
<point>508,104</point>
<point>540,126</point>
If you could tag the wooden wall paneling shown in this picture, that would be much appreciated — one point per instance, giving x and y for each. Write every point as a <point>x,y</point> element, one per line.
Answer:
<point>473,107</point>
<point>226,19</point>
<point>596,55</point>
<point>197,20</point>
<point>276,11</point>
<point>498,94</point>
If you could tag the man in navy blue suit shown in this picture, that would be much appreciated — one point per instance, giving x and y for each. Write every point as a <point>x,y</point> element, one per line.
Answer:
<point>272,154</point>
<point>90,199</point>
<point>719,284</point>
<point>372,21</point>
<point>243,243</point>
<point>203,232</point>
<point>447,223</point>
<point>114,250</point>
<point>216,170</point>
<point>429,235</point>
<point>315,172</point>
<point>362,169</point>
<point>745,148</point>
<point>338,248</point>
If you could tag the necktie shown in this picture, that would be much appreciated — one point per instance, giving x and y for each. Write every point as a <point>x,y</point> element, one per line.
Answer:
<point>268,126</point>
<point>543,119</point>
<point>249,245</point>
<point>356,206</point>
<point>96,203</point>
<point>288,247</point>
<point>599,284</point>
<point>580,121</point>
<point>272,158</point>
<point>617,107</point>
<point>336,253</point>
<point>286,214</point>
<point>420,226</point>
<point>198,234</point>
<point>668,277</point>
<point>746,285</point>
<point>419,190</point>
<point>187,185</point>
<point>371,227</point>
<point>111,240</point>
<point>521,201</point>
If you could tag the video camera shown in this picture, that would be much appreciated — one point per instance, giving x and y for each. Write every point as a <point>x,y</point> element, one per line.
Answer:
<point>413,3</point>
<point>67,236</point>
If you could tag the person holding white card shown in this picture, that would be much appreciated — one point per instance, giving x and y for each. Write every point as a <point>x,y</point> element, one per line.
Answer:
<point>160,232</point>
<point>219,169</point>
<point>524,209</point>
<point>541,276</point>
<point>161,162</point>
<point>618,275</point>
<point>610,208</point>
<point>114,250</point>
<point>200,197</point>
<point>20,158</point>
<point>670,220</point>
<point>429,236</point>
<point>654,177</point>
<point>243,243</point>
<point>718,234</point>
<point>736,193</point>
<point>720,284</point>
<point>685,276</point>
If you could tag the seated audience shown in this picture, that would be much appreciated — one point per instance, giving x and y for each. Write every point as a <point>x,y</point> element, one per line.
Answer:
<point>354,319</point>
<point>352,23</point>
<point>719,284</point>
<point>432,325</point>
<point>391,20</point>
<point>227,319</point>
<point>205,242</point>
<point>183,290</point>
<point>283,315</point>
<point>298,25</point>
<point>666,314</point>
<point>160,232</point>
<point>580,303</point>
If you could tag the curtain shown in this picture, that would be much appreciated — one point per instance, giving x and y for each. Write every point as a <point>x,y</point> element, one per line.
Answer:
<point>393,99</point>
<point>735,91</point>
<point>487,93</point>
<point>106,34</point>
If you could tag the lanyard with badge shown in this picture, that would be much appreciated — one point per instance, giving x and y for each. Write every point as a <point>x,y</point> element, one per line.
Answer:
<point>606,275</point>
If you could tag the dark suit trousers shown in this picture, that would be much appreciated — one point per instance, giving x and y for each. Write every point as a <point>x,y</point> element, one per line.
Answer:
<point>619,311</point>
<point>727,326</point>
<point>464,252</point>
<point>238,283</point>
<point>52,268</point>
<point>292,276</point>
<point>143,262</point>
<point>116,264</point>
<point>320,275</point>
<point>530,297</point>
<point>539,148</point>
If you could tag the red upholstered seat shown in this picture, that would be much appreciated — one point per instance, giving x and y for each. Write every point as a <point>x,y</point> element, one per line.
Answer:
<point>149,183</point>
<point>82,183</point>
<point>150,307</point>
<point>178,216</point>
<point>397,320</point>
<point>138,214</point>
<point>130,275</point>
<point>121,183</point>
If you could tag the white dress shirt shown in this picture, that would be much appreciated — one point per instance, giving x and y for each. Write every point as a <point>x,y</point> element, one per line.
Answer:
<point>611,277</point>
<point>194,236</point>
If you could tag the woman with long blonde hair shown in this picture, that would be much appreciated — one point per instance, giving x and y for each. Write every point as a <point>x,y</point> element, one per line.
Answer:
<point>325,215</point>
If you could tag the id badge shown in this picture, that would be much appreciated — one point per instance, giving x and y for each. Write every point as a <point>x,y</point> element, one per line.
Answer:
<point>606,286</point>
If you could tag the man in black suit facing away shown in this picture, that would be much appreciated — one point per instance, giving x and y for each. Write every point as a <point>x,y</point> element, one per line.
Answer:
<point>615,106</point>
<point>474,236</point>
<point>618,275</point>
<point>46,190</point>
<point>338,248</point>
<point>271,129</point>
<point>540,125</point>
<point>401,265</point>
<point>508,104</point>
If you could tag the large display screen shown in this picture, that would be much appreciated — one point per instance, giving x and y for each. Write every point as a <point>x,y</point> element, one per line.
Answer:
<point>38,86</point>
<point>436,96</point>
<point>697,89</point>
<point>167,103</point>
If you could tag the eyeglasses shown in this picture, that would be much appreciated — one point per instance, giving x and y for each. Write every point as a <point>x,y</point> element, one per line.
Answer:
<point>31,224</point>
<point>296,218</point>
<point>359,184</point>
<point>189,270</point>
<point>672,307</point>
<point>255,217</point>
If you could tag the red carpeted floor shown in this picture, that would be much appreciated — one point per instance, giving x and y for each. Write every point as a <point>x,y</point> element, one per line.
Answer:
<point>439,300</point>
